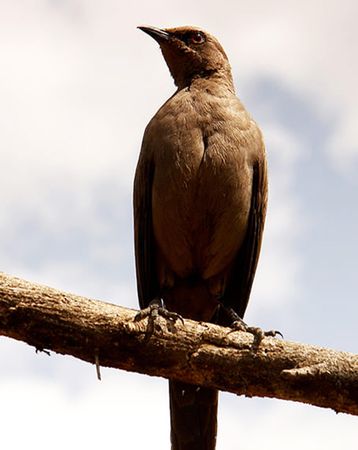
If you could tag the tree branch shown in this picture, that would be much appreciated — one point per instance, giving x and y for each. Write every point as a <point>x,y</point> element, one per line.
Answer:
<point>197,353</point>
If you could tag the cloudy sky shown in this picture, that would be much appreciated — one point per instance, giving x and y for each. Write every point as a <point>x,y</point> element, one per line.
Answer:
<point>78,83</point>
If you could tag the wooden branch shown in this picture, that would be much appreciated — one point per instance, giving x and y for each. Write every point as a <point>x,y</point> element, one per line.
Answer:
<point>197,353</point>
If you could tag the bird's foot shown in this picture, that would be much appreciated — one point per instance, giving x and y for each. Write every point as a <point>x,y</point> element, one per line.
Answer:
<point>155,309</point>
<point>239,325</point>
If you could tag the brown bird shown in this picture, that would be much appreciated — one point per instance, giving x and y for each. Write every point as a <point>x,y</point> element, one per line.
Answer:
<point>200,195</point>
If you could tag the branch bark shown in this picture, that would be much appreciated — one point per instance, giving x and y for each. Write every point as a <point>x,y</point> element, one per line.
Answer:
<point>198,353</point>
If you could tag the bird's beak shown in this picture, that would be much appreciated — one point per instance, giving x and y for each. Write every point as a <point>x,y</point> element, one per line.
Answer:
<point>156,33</point>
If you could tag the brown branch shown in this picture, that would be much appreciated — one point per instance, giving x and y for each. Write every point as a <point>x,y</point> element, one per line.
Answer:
<point>197,353</point>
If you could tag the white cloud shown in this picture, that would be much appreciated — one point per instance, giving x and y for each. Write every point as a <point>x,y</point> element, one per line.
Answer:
<point>132,411</point>
<point>101,414</point>
<point>278,275</point>
<point>273,424</point>
<point>313,51</point>
<point>343,146</point>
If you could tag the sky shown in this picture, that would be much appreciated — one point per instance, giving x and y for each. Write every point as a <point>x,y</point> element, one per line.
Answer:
<point>78,84</point>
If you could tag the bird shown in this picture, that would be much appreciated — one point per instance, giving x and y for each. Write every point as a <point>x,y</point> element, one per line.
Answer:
<point>199,200</point>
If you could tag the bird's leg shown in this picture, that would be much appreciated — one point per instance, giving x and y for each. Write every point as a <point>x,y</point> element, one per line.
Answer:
<point>237,324</point>
<point>155,309</point>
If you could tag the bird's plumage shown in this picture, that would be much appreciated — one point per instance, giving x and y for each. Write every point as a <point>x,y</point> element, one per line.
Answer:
<point>200,197</point>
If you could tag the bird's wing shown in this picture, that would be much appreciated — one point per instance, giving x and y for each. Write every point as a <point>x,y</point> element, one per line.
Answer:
<point>239,284</point>
<point>147,283</point>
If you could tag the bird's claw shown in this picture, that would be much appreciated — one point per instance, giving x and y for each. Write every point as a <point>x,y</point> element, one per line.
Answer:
<point>239,325</point>
<point>155,309</point>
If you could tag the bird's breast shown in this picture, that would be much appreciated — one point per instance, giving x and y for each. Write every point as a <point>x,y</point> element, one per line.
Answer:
<point>201,193</point>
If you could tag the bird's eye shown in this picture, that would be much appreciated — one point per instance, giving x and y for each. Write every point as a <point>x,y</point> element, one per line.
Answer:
<point>197,38</point>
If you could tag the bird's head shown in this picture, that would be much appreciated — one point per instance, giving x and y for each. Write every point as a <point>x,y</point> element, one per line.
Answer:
<point>190,53</point>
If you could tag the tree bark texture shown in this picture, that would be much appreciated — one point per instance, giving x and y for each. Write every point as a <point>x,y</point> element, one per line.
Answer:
<point>195,352</point>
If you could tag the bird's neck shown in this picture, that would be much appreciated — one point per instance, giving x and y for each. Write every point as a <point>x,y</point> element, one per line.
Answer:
<point>213,82</point>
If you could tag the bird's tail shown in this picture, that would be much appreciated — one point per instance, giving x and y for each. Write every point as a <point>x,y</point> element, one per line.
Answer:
<point>193,416</point>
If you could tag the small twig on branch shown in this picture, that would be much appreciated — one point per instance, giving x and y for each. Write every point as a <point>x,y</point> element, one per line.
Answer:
<point>198,353</point>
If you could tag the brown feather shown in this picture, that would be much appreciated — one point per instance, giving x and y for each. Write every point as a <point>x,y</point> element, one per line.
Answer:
<point>200,196</point>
